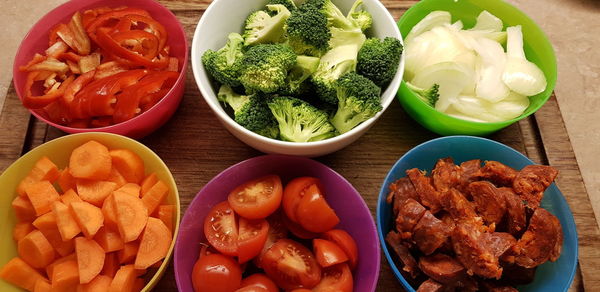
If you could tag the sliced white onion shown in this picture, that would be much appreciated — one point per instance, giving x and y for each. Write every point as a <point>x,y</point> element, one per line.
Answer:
<point>511,107</point>
<point>489,84</point>
<point>476,108</point>
<point>451,77</point>
<point>487,21</point>
<point>520,75</point>
<point>433,19</point>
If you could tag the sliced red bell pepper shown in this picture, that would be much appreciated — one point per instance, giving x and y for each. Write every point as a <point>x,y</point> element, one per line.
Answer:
<point>152,26</point>
<point>104,19</point>
<point>138,42</point>
<point>58,112</point>
<point>39,101</point>
<point>37,58</point>
<point>101,122</point>
<point>81,40</point>
<point>76,86</point>
<point>112,46</point>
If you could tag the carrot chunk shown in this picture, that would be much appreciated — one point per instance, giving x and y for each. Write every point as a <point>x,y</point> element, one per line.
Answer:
<point>116,177</point>
<point>109,239</point>
<point>129,164</point>
<point>90,259</point>
<point>47,225</point>
<point>88,217</point>
<point>69,197</point>
<point>131,189</point>
<point>23,209</point>
<point>66,181</point>
<point>138,284</point>
<point>109,212</point>
<point>166,214</point>
<point>95,191</point>
<point>50,267</point>
<point>41,195</point>
<point>24,183</point>
<point>131,216</point>
<point>148,182</point>
<point>45,169</point>
<point>155,196</point>
<point>21,230</point>
<point>111,264</point>
<point>42,285</point>
<point>67,226</point>
<point>98,284</point>
<point>154,244</point>
<point>90,161</point>
<point>123,280</point>
<point>19,273</point>
<point>35,249</point>
<point>128,253</point>
<point>65,276</point>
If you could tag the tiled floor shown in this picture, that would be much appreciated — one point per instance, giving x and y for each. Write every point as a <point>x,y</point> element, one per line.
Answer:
<point>572,25</point>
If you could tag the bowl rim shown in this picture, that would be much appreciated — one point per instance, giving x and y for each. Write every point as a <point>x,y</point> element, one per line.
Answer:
<point>383,194</point>
<point>223,173</point>
<point>552,85</point>
<point>119,138</point>
<point>180,79</point>
<point>218,110</point>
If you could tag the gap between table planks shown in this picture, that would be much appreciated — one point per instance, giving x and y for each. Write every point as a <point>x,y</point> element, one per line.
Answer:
<point>196,148</point>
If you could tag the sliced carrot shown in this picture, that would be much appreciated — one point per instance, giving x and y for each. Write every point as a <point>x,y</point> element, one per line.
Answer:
<point>138,284</point>
<point>65,276</point>
<point>24,183</point>
<point>45,169</point>
<point>109,212</point>
<point>66,181</point>
<point>67,226</point>
<point>42,285</point>
<point>109,239</point>
<point>116,177</point>
<point>111,264</point>
<point>148,182</point>
<point>131,189</point>
<point>157,264</point>
<point>23,209</point>
<point>166,213</point>
<point>69,197</point>
<point>95,191</point>
<point>90,161</point>
<point>131,216</point>
<point>154,244</point>
<point>19,273</point>
<point>129,164</point>
<point>47,225</point>
<point>128,253</point>
<point>155,196</point>
<point>41,195</point>
<point>90,259</point>
<point>88,217</point>
<point>50,267</point>
<point>21,230</point>
<point>98,284</point>
<point>140,272</point>
<point>123,280</point>
<point>36,250</point>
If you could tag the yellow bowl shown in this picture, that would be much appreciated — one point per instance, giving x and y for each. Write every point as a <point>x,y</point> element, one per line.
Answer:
<point>58,151</point>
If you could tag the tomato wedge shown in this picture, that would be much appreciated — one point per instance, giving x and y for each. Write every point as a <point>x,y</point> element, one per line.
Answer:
<point>258,198</point>
<point>313,213</point>
<point>252,236</point>
<point>252,289</point>
<point>346,242</point>
<point>217,273</point>
<point>277,231</point>
<point>298,230</point>
<point>260,281</point>
<point>291,265</point>
<point>328,253</point>
<point>220,229</point>
<point>293,192</point>
<point>337,278</point>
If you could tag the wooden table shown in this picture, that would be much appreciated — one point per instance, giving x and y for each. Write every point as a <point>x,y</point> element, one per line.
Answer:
<point>196,148</point>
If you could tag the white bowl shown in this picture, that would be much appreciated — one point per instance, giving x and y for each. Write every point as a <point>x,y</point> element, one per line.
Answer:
<point>225,16</point>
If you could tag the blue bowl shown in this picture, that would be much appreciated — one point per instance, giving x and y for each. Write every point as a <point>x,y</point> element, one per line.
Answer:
<point>551,276</point>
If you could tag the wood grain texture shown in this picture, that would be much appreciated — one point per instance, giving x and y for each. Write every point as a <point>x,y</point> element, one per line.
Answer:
<point>196,147</point>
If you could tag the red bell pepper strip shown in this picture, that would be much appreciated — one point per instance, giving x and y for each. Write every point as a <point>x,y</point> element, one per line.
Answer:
<point>104,19</point>
<point>76,86</point>
<point>35,102</point>
<point>151,25</point>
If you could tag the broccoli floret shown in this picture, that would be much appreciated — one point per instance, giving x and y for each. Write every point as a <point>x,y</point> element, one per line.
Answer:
<point>335,18</point>
<point>429,96</point>
<point>299,121</point>
<point>378,60</point>
<point>340,37</point>
<point>307,32</point>
<point>261,28</point>
<point>250,111</point>
<point>289,4</point>
<point>265,67</point>
<point>224,65</point>
<point>358,100</point>
<point>359,17</point>
<point>337,62</point>
<point>295,82</point>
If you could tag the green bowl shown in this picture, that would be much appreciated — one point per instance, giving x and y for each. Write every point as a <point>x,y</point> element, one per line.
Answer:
<point>537,49</point>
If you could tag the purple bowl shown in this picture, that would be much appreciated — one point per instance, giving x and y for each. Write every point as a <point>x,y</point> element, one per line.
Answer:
<point>354,214</point>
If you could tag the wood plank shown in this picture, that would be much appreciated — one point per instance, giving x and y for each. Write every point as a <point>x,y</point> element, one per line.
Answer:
<point>14,122</point>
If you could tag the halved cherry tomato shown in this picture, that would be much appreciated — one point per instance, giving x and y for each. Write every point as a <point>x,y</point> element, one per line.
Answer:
<point>298,230</point>
<point>293,192</point>
<point>277,231</point>
<point>220,229</point>
<point>205,250</point>
<point>261,281</point>
<point>252,236</point>
<point>301,290</point>
<point>216,273</point>
<point>337,278</point>
<point>313,213</point>
<point>346,242</point>
<point>258,198</point>
<point>252,289</point>
<point>291,265</point>
<point>328,253</point>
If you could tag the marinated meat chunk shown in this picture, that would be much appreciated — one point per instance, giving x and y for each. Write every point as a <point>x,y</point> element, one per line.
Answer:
<point>446,175</point>
<point>430,233</point>
<point>409,264</point>
<point>488,286</point>
<point>429,197</point>
<point>442,268</point>
<point>431,286</point>
<point>467,284</point>
<point>472,252</point>
<point>531,182</point>
<point>516,220</point>
<point>541,242</point>
<point>400,191</point>
<point>516,275</point>
<point>498,242</point>
<point>489,202</point>
<point>497,173</point>
<point>408,216</point>
<point>469,170</point>
<point>458,206</point>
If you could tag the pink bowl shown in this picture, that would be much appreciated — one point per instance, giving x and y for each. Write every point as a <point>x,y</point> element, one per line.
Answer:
<point>36,41</point>
<point>354,214</point>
